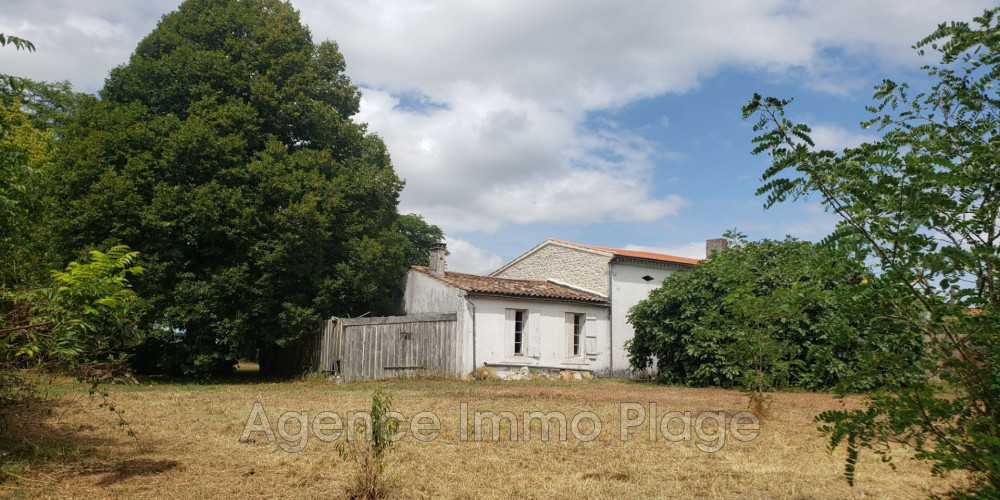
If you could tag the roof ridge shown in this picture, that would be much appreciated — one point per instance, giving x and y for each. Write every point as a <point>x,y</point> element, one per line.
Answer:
<point>624,252</point>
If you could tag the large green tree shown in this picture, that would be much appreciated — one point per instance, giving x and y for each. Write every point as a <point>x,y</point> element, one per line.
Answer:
<point>763,315</point>
<point>225,153</point>
<point>925,198</point>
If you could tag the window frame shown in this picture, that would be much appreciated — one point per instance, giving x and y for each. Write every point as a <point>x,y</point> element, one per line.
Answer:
<point>520,330</point>
<point>576,330</point>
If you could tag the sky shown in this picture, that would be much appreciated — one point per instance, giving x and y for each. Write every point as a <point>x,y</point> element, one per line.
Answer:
<point>615,124</point>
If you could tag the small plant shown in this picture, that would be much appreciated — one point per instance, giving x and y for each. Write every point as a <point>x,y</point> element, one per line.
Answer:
<point>370,453</point>
<point>764,359</point>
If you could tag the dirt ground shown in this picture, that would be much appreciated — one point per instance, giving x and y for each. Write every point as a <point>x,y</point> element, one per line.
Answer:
<point>188,444</point>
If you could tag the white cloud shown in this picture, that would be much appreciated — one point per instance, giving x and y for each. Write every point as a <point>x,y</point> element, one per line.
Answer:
<point>467,258</point>
<point>518,78</point>
<point>77,40</point>
<point>829,136</point>
<point>508,141</point>
<point>499,160</point>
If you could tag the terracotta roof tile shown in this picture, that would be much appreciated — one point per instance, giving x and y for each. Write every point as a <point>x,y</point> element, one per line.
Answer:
<point>512,287</point>
<point>635,254</point>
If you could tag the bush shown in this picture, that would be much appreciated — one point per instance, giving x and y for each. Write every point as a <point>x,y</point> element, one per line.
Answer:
<point>766,315</point>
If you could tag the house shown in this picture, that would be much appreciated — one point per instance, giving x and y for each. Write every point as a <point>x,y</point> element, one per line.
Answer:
<point>510,323</point>
<point>624,277</point>
<point>559,306</point>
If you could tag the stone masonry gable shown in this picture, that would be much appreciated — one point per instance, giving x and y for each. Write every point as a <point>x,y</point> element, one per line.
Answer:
<point>579,267</point>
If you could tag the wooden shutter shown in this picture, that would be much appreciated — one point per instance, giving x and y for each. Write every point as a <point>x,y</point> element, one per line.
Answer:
<point>568,337</point>
<point>508,334</point>
<point>590,330</point>
<point>534,333</point>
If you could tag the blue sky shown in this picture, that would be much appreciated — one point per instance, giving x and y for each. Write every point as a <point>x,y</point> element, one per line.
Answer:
<point>608,123</point>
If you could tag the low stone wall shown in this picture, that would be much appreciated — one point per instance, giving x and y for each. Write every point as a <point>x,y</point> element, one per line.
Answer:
<point>528,373</point>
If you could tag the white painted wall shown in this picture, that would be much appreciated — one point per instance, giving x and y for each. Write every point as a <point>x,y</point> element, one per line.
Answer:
<point>627,289</point>
<point>548,343</point>
<point>595,271</point>
<point>424,294</point>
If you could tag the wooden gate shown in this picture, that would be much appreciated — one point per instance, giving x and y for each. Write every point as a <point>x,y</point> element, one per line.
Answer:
<point>391,346</point>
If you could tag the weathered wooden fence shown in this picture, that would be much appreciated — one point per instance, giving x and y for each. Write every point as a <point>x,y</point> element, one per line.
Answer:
<point>391,346</point>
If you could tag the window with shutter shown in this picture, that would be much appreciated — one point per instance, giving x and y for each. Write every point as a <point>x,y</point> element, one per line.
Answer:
<point>516,334</point>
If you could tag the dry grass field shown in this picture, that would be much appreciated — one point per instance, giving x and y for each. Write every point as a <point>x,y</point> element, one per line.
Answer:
<point>188,446</point>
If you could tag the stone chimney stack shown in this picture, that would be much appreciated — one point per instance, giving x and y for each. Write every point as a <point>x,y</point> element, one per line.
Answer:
<point>437,264</point>
<point>714,246</point>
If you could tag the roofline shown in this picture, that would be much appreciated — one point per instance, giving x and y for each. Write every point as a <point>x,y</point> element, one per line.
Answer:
<point>577,288</point>
<point>611,253</point>
<point>651,262</point>
<point>598,303</point>
<point>623,254</point>
<point>597,300</point>
<point>575,246</point>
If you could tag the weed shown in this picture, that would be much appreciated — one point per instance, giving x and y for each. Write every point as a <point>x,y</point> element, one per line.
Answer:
<point>369,454</point>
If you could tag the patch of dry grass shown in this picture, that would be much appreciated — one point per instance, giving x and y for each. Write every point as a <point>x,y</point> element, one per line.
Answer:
<point>188,447</point>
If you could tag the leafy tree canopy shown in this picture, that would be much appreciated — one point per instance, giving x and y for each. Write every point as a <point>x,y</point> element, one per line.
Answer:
<point>419,237</point>
<point>78,319</point>
<point>25,153</point>
<point>224,152</point>
<point>48,105</point>
<point>925,200</point>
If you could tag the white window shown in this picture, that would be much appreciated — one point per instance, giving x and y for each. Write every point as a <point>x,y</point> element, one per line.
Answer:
<point>521,335</point>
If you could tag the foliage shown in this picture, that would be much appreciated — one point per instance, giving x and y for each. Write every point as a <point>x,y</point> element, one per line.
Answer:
<point>25,152</point>
<point>79,319</point>
<point>370,455</point>
<point>925,198</point>
<point>49,106</point>
<point>89,306</point>
<point>224,151</point>
<point>81,322</point>
<point>419,237</point>
<point>761,315</point>
<point>17,42</point>
<point>764,356</point>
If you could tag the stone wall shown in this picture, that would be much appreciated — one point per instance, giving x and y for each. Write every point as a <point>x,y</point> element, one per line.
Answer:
<point>574,266</point>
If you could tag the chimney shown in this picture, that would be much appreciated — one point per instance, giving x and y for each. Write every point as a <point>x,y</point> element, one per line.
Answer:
<point>437,263</point>
<point>714,246</point>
